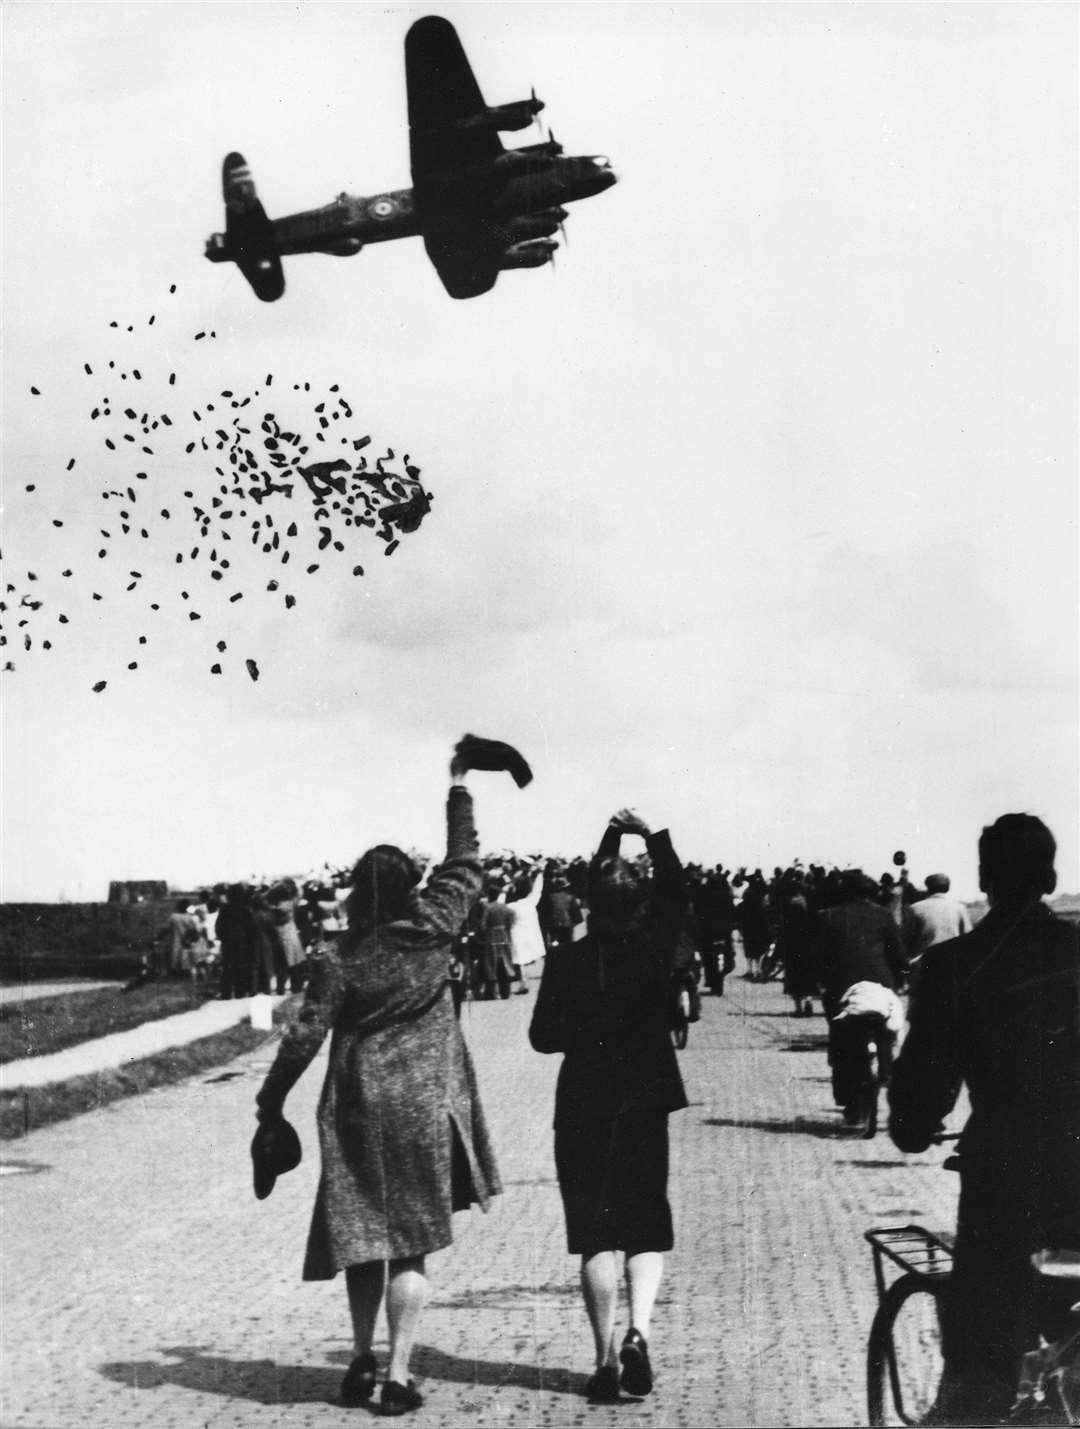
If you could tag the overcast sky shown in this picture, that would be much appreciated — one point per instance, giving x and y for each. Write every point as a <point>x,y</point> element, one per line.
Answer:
<point>760,513</point>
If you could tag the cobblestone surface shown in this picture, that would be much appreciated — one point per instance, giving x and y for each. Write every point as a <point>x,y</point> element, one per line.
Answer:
<point>144,1285</point>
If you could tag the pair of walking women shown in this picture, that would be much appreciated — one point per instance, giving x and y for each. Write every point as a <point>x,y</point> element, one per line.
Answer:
<point>402,1133</point>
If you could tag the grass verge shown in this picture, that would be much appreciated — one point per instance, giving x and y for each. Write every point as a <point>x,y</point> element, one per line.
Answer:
<point>41,1025</point>
<point>27,1109</point>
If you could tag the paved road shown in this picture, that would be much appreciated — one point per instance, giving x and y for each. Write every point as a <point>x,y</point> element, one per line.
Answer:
<point>145,1288</point>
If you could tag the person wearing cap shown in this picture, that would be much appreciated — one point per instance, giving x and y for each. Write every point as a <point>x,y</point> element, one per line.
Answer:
<point>603,1003</point>
<point>497,951</point>
<point>933,919</point>
<point>401,1129</point>
<point>999,1010</point>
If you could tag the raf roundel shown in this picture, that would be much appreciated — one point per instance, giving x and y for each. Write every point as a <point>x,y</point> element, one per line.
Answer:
<point>383,207</point>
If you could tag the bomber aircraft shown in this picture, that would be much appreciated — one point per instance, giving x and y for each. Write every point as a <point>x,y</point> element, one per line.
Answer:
<point>479,207</point>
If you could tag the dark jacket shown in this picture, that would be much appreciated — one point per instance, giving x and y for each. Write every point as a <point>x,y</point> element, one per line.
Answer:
<point>999,1010</point>
<point>604,1003</point>
<point>235,930</point>
<point>857,942</point>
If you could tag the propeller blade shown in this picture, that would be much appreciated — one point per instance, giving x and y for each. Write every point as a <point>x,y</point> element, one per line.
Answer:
<point>536,112</point>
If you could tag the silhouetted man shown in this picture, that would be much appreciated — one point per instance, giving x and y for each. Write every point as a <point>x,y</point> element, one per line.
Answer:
<point>999,1010</point>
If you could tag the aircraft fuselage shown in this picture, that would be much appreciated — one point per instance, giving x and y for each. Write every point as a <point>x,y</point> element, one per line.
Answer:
<point>350,222</point>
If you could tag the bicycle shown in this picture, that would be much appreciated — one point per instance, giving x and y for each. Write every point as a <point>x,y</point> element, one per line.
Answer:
<point>868,1040</point>
<point>903,1357</point>
<point>903,1352</point>
<point>772,965</point>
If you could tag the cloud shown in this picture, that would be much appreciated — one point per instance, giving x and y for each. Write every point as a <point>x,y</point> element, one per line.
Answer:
<point>509,573</point>
<point>932,608</point>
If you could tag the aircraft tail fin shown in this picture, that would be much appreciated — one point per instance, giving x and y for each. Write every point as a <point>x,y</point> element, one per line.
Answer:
<point>248,240</point>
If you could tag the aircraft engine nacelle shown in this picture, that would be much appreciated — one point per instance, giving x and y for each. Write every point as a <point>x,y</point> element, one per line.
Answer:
<point>532,254</point>
<point>535,225</point>
<point>548,149</point>
<point>512,161</point>
<point>518,115</point>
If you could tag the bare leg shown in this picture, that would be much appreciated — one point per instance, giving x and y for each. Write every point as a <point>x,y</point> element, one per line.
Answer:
<point>600,1288</point>
<point>406,1296</point>
<point>365,1284</point>
<point>643,1275</point>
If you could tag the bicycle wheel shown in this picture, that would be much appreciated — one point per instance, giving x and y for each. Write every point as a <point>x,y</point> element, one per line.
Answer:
<point>870,1119</point>
<point>772,966</point>
<point>903,1354</point>
<point>881,1069</point>
<point>680,1032</point>
<point>1066,1384</point>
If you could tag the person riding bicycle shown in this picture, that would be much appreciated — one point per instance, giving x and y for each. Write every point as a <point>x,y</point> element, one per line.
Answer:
<point>857,942</point>
<point>999,1010</point>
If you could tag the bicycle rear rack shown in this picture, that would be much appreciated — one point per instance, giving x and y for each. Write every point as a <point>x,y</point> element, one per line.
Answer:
<point>914,1249</point>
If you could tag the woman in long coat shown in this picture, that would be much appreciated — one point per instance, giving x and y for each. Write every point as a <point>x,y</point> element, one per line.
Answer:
<point>603,1003</point>
<point>401,1128</point>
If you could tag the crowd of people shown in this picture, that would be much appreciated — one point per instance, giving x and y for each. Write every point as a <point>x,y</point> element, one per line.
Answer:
<point>246,938</point>
<point>257,937</point>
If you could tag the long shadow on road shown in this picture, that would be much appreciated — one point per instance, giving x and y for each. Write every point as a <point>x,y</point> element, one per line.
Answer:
<point>744,1012</point>
<point>798,1126</point>
<point>261,1381</point>
<point>265,1382</point>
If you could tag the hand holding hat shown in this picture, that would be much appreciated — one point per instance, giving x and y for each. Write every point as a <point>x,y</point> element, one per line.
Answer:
<point>275,1149</point>
<point>472,752</point>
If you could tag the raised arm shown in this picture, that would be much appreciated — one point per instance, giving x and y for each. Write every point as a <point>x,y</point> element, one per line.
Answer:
<point>610,842</point>
<point>455,884</point>
<point>668,881</point>
<point>453,887</point>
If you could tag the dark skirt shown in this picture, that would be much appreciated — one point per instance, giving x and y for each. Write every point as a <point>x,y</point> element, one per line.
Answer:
<point>613,1179</point>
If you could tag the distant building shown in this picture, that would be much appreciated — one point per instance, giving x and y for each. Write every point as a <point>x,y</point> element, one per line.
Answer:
<point>146,891</point>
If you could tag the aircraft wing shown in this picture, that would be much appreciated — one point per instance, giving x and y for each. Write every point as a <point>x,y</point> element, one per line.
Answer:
<point>442,92</point>
<point>467,267</point>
